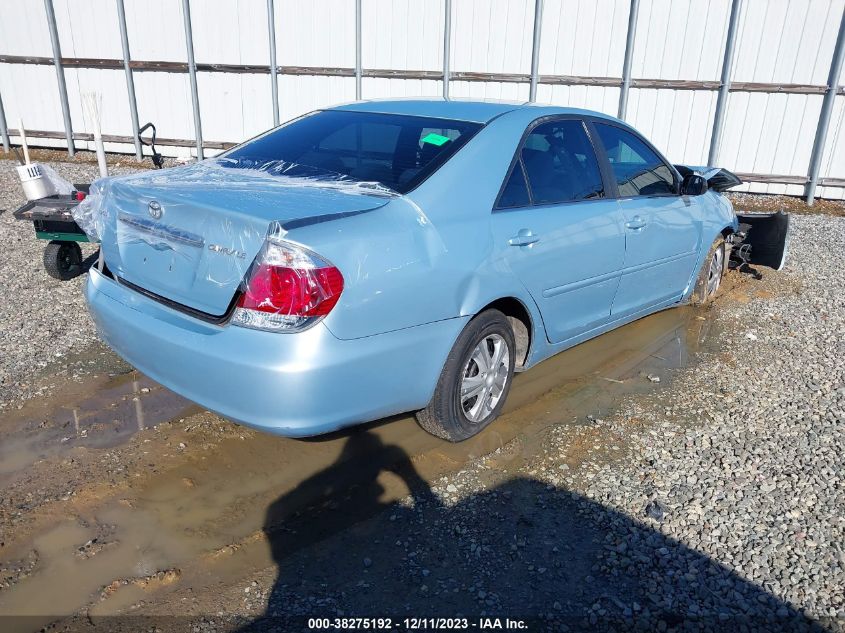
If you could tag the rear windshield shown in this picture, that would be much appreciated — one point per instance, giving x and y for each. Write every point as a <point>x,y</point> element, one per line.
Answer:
<point>396,151</point>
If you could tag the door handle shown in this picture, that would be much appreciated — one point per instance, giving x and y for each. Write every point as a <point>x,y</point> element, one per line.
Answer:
<point>524,238</point>
<point>637,223</point>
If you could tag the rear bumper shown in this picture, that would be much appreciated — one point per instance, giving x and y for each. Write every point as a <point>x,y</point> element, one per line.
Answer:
<point>291,384</point>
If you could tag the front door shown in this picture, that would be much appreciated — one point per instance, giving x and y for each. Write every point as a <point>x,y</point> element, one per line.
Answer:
<point>556,230</point>
<point>662,235</point>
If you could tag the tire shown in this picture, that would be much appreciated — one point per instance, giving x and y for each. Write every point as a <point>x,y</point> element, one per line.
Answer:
<point>710,276</point>
<point>63,260</point>
<point>453,417</point>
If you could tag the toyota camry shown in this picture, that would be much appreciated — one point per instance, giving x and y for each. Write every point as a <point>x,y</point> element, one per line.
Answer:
<point>389,256</point>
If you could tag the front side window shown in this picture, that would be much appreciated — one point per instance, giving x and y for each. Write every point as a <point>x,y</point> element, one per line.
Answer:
<point>560,163</point>
<point>639,171</point>
<point>396,151</point>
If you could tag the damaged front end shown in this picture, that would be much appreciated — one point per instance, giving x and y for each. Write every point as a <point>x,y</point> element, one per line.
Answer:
<point>762,238</point>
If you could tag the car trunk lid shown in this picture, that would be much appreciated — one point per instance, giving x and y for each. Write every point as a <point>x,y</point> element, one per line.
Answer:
<point>190,235</point>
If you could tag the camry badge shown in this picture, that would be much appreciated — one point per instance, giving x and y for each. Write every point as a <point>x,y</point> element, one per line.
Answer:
<point>155,210</point>
<point>232,252</point>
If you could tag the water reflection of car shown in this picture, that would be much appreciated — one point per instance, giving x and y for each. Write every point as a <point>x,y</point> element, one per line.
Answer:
<point>391,256</point>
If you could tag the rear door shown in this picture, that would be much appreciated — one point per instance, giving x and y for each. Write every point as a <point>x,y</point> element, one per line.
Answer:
<point>558,230</point>
<point>662,231</point>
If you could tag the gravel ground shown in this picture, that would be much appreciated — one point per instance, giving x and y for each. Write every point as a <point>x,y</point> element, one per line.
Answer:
<point>716,503</point>
<point>770,202</point>
<point>742,460</point>
<point>42,320</point>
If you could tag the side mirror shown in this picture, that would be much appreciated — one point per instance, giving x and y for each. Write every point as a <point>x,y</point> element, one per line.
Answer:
<point>693,185</point>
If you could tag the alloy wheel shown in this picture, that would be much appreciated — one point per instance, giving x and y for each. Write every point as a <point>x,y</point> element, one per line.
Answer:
<point>484,377</point>
<point>714,274</point>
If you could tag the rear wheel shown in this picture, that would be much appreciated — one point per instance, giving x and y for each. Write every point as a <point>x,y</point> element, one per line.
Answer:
<point>711,273</point>
<point>475,380</point>
<point>63,260</point>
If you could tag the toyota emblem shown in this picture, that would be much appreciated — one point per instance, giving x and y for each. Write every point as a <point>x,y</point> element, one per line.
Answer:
<point>155,210</point>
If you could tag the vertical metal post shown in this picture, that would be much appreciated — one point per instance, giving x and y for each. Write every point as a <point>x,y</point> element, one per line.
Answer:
<point>824,115</point>
<point>4,130</point>
<point>725,84</point>
<point>629,54</point>
<point>535,49</point>
<point>60,75</point>
<point>274,79</point>
<point>358,62</point>
<point>130,81</point>
<point>447,47</point>
<point>192,72</point>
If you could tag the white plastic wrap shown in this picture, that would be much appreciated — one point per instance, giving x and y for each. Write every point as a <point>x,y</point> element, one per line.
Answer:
<point>231,172</point>
<point>90,213</point>
<point>202,234</point>
<point>58,185</point>
<point>211,175</point>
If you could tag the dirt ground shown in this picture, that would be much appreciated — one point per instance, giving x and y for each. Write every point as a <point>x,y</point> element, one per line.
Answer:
<point>121,498</point>
<point>753,202</point>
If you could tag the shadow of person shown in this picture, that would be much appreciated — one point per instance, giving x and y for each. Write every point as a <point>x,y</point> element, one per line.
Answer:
<point>347,493</point>
<point>520,549</point>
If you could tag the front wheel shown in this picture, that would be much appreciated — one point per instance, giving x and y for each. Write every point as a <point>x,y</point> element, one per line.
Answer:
<point>475,380</point>
<point>711,273</point>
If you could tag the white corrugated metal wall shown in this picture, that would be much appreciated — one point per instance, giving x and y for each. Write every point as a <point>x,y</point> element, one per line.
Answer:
<point>778,42</point>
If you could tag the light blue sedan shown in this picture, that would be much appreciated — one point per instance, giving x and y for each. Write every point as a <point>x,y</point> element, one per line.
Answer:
<point>391,256</point>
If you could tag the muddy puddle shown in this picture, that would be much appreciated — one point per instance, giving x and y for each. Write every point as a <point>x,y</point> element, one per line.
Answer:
<point>200,523</point>
<point>96,414</point>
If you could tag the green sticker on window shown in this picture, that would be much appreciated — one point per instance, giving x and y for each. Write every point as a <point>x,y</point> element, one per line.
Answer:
<point>435,139</point>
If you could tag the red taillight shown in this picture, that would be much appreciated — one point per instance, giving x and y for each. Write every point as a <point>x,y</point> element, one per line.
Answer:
<point>293,291</point>
<point>289,288</point>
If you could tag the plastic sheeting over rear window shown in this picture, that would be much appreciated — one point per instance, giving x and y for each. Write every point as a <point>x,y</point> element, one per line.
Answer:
<point>215,176</point>
<point>396,151</point>
<point>190,235</point>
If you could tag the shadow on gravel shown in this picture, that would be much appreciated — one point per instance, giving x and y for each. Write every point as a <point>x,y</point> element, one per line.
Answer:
<point>521,550</point>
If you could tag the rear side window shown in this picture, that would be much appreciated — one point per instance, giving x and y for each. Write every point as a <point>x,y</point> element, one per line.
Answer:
<point>515,192</point>
<point>560,163</point>
<point>396,151</point>
<point>638,170</point>
<point>371,138</point>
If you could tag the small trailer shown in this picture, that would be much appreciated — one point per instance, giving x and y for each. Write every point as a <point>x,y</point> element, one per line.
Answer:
<point>53,220</point>
<point>52,215</point>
